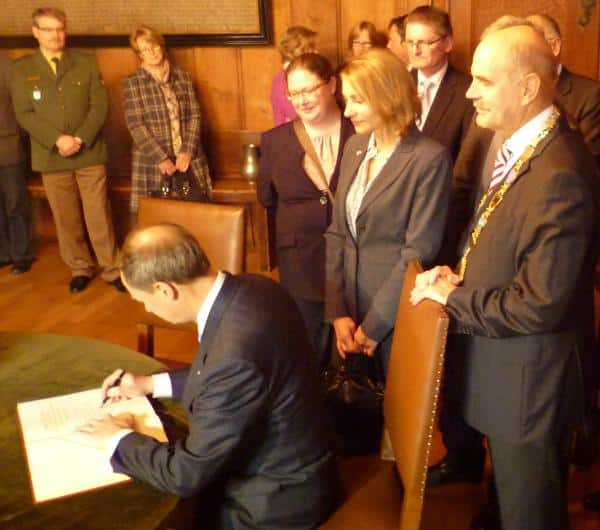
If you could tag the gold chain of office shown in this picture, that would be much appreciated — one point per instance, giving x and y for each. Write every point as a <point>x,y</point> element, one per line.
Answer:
<point>499,193</point>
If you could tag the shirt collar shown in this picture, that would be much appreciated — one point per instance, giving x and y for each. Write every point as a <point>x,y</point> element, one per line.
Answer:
<point>372,149</point>
<point>434,79</point>
<point>523,136</point>
<point>208,303</point>
<point>49,56</point>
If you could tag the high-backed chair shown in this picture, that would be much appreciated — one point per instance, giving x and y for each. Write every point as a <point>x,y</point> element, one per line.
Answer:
<point>380,494</point>
<point>220,230</point>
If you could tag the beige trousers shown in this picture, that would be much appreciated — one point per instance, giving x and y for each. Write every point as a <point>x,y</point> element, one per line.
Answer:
<point>70,192</point>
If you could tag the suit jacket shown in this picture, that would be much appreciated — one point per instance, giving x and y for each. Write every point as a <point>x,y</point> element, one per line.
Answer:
<point>257,440</point>
<point>401,218</point>
<point>147,118</point>
<point>72,102</point>
<point>527,292</point>
<point>302,212</point>
<point>451,112</point>
<point>11,148</point>
<point>580,97</point>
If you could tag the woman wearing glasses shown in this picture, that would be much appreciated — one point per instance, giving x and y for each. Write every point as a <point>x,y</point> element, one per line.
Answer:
<point>163,117</point>
<point>390,206</point>
<point>362,37</point>
<point>297,179</point>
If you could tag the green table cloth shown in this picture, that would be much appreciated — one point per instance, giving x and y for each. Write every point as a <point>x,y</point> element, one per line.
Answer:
<point>39,365</point>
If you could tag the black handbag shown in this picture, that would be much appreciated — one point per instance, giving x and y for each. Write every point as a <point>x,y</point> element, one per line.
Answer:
<point>181,186</point>
<point>354,397</point>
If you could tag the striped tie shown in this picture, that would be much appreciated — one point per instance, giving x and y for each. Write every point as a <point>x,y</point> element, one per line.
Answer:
<point>500,165</point>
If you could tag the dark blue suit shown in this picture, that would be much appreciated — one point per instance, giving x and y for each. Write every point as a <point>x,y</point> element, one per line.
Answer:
<point>257,441</point>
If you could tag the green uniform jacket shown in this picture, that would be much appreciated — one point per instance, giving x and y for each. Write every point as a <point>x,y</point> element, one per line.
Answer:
<point>73,102</point>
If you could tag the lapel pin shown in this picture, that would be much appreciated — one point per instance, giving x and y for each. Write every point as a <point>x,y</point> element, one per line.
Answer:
<point>359,152</point>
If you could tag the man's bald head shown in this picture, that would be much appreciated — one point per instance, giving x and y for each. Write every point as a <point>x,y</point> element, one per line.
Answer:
<point>166,252</point>
<point>522,50</point>
<point>514,74</point>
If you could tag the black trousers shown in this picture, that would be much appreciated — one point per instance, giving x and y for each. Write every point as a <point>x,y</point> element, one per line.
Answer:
<point>319,332</point>
<point>15,220</point>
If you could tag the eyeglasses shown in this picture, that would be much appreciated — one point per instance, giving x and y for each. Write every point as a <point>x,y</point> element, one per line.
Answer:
<point>307,92</point>
<point>60,29</point>
<point>361,44</point>
<point>423,43</point>
<point>150,50</point>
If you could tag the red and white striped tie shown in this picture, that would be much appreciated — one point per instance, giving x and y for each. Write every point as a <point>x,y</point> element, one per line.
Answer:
<point>502,158</point>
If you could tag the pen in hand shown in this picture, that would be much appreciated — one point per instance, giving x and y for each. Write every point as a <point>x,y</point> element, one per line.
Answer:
<point>114,384</point>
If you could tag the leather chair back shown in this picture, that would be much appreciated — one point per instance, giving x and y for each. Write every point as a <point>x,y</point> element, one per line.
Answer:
<point>219,228</point>
<point>375,496</point>
<point>412,390</point>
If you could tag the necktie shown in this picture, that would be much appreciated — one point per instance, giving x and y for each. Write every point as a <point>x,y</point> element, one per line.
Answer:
<point>502,158</point>
<point>55,63</point>
<point>425,95</point>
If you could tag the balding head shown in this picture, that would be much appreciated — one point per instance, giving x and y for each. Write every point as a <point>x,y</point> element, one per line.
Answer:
<point>514,74</point>
<point>162,253</point>
<point>549,28</point>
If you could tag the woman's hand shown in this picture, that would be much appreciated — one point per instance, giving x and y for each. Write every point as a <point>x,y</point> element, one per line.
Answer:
<point>345,328</point>
<point>366,344</point>
<point>182,163</point>
<point>166,167</point>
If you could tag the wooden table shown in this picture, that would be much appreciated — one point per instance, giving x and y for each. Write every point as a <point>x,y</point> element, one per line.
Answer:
<point>38,365</point>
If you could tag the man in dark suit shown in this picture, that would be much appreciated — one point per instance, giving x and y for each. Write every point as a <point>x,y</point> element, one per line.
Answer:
<point>445,111</point>
<point>578,95</point>
<point>15,223</point>
<point>523,291</point>
<point>257,452</point>
<point>396,39</point>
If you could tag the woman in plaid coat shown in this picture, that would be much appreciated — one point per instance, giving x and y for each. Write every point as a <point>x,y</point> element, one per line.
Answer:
<point>163,117</point>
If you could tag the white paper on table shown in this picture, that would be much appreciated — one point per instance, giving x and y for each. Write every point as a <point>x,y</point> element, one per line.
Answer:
<point>60,462</point>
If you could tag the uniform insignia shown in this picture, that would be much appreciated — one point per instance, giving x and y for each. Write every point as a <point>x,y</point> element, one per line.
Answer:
<point>359,152</point>
<point>37,94</point>
<point>33,78</point>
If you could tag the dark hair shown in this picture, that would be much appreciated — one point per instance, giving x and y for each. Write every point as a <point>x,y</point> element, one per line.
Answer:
<point>165,252</point>
<point>431,16</point>
<point>315,63</point>
<point>399,23</point>
<point>53,12</point>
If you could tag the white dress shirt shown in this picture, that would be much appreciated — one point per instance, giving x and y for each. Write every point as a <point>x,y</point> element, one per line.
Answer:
<point>520,139</point>
<point>433,82</point>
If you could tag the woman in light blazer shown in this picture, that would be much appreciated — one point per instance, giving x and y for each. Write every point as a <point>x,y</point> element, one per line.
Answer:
<point>390,206</point>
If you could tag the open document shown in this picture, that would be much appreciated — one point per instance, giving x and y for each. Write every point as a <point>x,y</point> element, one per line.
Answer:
<point>61,461</point>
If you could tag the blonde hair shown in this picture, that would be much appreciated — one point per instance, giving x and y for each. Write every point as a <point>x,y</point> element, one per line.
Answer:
<point>295,41</point>
<point>146,33</point>
<point>382,80</point>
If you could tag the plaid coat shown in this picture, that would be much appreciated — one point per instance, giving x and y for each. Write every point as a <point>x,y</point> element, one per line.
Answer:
<point>147,119</point>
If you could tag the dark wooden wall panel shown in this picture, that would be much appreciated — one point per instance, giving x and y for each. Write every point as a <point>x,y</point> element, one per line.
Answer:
<point>233,84</point>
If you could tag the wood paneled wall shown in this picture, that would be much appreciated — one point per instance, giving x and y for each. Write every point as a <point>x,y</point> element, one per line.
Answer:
<point>234,83</point>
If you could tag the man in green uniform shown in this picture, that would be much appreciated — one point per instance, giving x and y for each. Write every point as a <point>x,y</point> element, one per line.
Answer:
<point>60,100</point>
